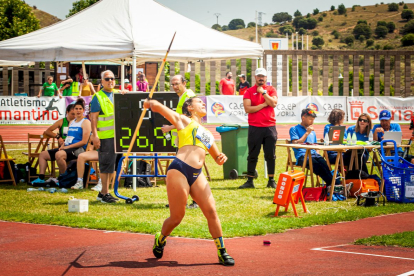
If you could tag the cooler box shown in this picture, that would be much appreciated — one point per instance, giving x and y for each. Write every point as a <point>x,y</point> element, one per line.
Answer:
<point>234,146</point>
<point>78,205</point>
<point>363,186</point>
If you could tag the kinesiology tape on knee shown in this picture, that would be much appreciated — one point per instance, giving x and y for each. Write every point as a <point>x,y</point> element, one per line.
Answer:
<point>219,242</point>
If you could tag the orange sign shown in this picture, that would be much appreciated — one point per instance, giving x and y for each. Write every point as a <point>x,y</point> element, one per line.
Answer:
<point>336,134</point>
<point>275,45</point>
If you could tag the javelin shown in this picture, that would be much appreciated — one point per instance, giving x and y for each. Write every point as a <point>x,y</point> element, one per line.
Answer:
<point>145,110</point>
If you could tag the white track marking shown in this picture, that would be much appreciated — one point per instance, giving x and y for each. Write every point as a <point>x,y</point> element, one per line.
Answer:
<point>407,273</point>
<point>357,253</point>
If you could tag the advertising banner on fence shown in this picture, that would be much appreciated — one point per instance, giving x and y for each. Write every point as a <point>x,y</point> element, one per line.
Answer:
<point>31,110</point>
<point>401,108</point>
<point>230,110</point>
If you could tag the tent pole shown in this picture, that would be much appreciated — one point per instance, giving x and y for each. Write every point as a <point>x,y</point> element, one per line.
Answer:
<point>122,84</point>
<point>134,73</point>
<point>134,88</point>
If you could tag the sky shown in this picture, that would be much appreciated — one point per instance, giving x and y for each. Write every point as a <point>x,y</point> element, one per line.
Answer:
<point>204,11</point>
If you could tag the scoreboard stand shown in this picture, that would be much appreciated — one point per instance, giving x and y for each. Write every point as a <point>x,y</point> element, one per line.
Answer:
<point>118,172</point>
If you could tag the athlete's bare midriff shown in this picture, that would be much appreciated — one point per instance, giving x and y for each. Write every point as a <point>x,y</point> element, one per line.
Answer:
<point>192,155</point>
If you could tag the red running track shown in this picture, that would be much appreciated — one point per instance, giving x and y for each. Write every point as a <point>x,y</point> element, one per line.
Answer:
<point>12,133</point>
<point>29,249</point>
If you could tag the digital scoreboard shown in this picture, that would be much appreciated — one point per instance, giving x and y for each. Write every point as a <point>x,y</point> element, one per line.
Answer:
<point>150,139</point>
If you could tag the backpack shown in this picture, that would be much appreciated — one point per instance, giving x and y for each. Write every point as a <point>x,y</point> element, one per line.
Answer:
<point>142,168</point>
<point>69,177</point>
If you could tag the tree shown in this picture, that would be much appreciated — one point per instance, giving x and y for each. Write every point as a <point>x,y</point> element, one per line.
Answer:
<point>315,33</point>
<point>16,18</point>
<point>393,7</point>
<point>302,31</point>
<point>362,22</point>
<point>282,17</point>
<point>381,23</point>
<point>405,7</point>
<point>318,41</point>
<point>306,23</point>
<point>297,13</point>
<point>225,28</point>
<point>408,40</point>
<point>362,29</point>
<point>315,11</point>
<point>407,14</point>
<point>409,28</point>
<point>80,5</point>
<point>370,42</point>
<point>217,27</point>
<point>335,33</point>
<point>381,31</point>
<point>236,22</point>
<point>349,40</point>
<point>332,8</point>
<point>391,27</point>
<point>341,9</point>
<point>251,24</point>
<point>286,29</point>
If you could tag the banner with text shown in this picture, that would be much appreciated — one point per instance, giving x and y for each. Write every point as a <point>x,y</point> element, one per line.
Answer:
<point>401,108</point>
<point>229,109</point>
<point>31,110</point>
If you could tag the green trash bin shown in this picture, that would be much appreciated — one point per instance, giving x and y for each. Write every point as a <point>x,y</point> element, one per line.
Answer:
<point>234,145</point>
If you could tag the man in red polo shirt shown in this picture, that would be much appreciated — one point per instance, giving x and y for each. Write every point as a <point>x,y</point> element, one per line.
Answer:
<point>227,85</point>
<point>259,102</point>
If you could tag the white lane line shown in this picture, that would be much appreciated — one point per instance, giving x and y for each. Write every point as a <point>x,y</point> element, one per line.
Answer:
<point>357,253</point>
<point>407,273</point>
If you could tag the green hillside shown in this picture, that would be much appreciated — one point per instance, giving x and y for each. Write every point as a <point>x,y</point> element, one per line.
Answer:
<point>344,24</point>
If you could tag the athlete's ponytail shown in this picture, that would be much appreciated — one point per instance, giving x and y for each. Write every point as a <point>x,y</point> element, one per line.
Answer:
<point>186,104</point>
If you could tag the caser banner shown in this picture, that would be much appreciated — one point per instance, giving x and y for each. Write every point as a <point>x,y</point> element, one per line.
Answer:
<point>31,110</point>
<point>229,109</point>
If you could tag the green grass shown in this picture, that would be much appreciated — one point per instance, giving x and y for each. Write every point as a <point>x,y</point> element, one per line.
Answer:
<point>242,212</point>
<point>404,239</point>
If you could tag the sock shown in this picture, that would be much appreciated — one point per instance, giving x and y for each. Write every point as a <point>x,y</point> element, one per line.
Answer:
<point>270,178</point>
<point>42,176</point>
<point>219,242</point>
<point>80,178</point>
<point>250,179</point>
<point>162,238</point>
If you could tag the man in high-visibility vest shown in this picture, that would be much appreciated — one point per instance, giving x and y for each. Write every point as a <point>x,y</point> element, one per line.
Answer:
<point>178,83</point>
<point>103,133</point>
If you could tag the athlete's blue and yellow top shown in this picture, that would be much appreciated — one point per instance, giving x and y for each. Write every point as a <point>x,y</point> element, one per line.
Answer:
<point>195,135</point>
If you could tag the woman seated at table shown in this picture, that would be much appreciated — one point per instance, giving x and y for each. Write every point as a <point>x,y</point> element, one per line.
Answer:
<point>361,129</point>
<point>78,135</point>
<point>336,118</point>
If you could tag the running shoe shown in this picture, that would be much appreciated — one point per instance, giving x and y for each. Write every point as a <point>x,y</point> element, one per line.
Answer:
<point>78,185</point>
<point>38,181</point>
<point>271,184</point>
<point>193,205</point>
<point>108,198</point>
<point>247,184</point>
<point>98,187</point>
<point>53,179</point>
<point>99,197</point>
<point>224,258</point>
<point>158,249</point>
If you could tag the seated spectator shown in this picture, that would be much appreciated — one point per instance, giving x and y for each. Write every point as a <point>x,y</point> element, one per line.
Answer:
<point>142,84</point>
<point>361,129</point>
<point>303,133</point>
<point>78,135</point>
<point>49,88</point>
<point>91,155</point>
<point>336,118</point>
<point>86,88</point>
<point>65,88</point>
<point>62,125</point>
<point>386,125</point>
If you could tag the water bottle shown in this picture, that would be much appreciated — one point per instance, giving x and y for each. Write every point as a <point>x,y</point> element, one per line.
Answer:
<point>348,139</point>
<point>32,189</point>
<point>354,139</point>
<point>371,136</point>
<point>51,190</point>
<point>167,136</point>
<point>41,189</point>
<point>22,180</point>
<point>63,190</point>
<point>326,140</point>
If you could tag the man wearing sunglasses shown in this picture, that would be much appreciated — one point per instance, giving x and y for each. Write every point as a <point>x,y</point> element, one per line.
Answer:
<point>304,133</point>
<point>103,133</point>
